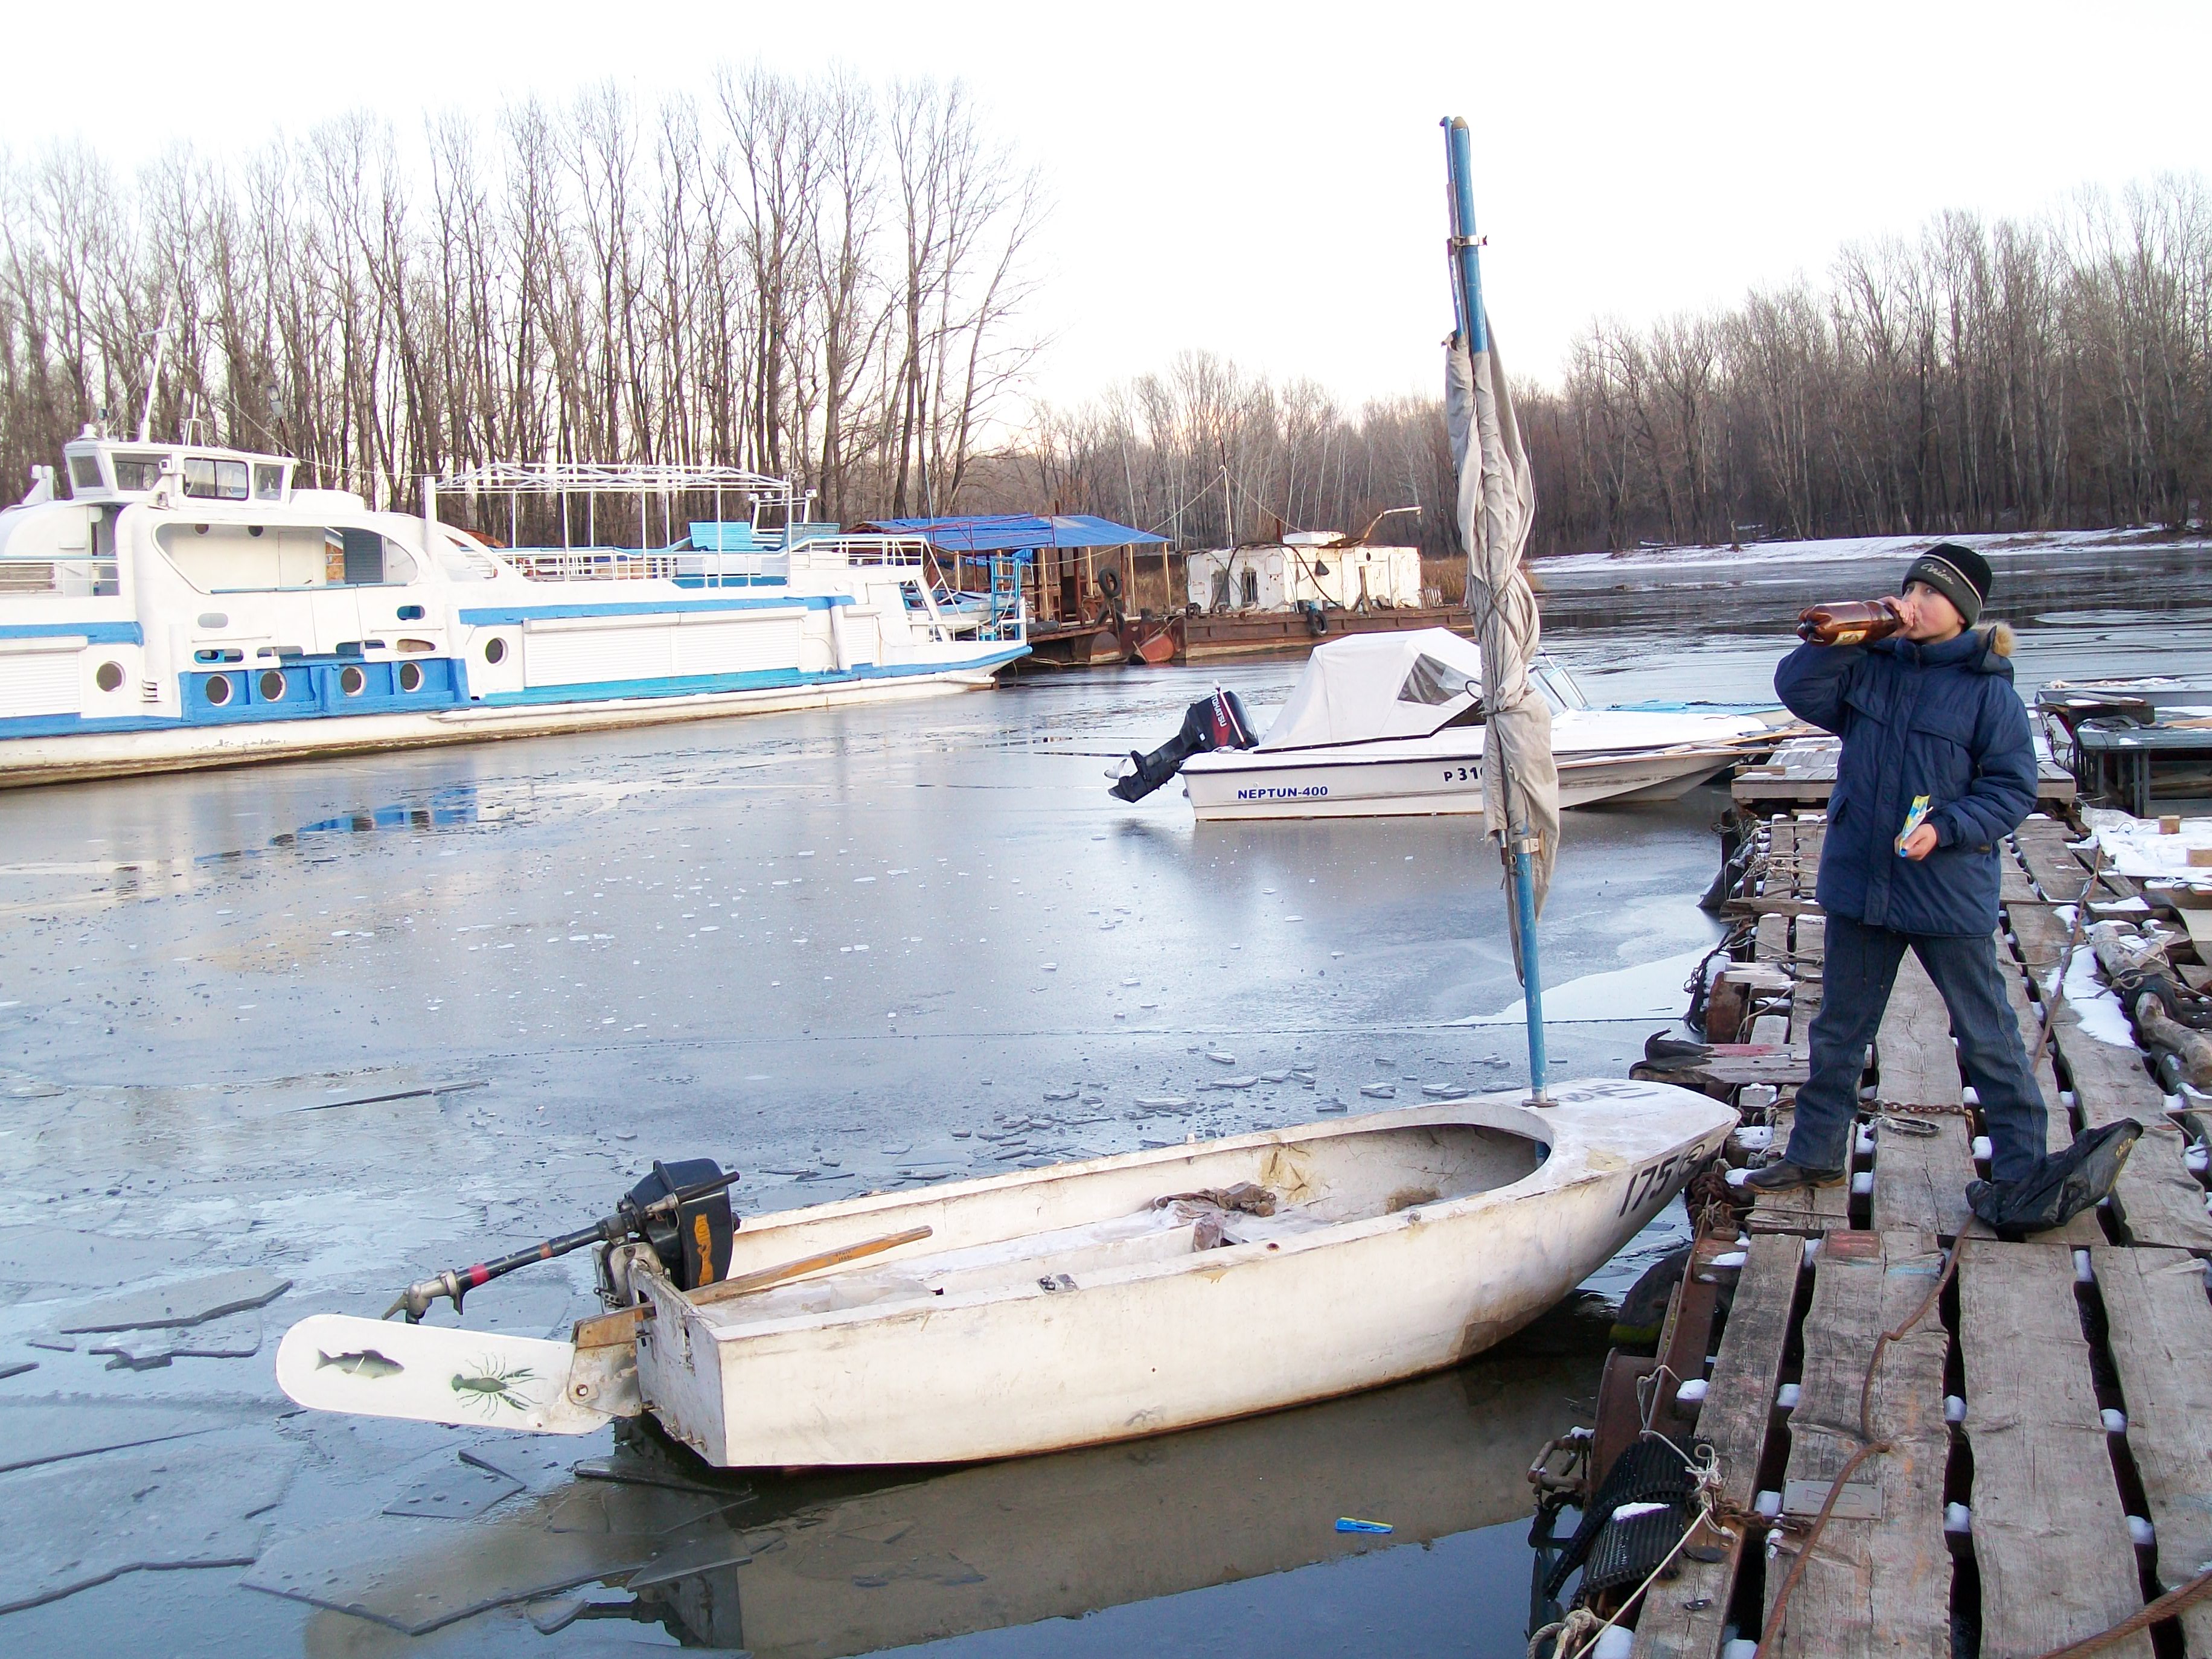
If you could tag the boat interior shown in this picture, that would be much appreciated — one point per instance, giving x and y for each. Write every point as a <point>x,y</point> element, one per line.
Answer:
<point>1065,1226</point>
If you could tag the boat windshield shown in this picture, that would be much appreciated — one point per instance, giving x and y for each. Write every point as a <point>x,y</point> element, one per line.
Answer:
<point>1435,683</point>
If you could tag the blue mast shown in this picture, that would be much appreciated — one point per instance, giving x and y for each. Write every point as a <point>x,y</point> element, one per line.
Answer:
<point>1475,330</point>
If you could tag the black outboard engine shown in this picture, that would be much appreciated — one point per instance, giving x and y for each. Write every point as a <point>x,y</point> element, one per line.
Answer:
<point>1211,723</point>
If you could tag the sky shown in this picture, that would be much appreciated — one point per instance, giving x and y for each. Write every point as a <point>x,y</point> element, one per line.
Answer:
<point>1266,182</point>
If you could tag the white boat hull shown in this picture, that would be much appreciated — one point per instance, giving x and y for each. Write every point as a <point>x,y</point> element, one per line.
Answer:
<point>1254,784</point>
<point>79,757</point>
<point>964,1347</point>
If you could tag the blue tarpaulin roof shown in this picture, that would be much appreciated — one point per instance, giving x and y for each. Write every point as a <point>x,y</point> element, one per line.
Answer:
<point>1008,532</point>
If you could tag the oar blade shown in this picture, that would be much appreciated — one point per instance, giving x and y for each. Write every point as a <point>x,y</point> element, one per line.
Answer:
<point>433,1373</point>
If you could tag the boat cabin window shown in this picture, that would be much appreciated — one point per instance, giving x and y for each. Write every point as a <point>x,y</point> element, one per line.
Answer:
<point>209,479</point>
<point>84,472</point>
<point>231,558</point>
<point>137,471</point>
<point>268,483</point>
<point>1435,684</point>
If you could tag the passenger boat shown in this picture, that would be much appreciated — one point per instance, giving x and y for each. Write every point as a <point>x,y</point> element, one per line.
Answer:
<point>185,606</point>
<point>1076,1304</point>
<point>1392,725</point>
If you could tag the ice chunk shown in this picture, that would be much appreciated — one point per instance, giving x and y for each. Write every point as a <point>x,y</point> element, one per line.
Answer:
<point>1982,1150</point>
<point>1730,1260</point>
<point>1767,1503</point>
<point>1379,1091</point>
<point>456,1490</point>
<point>2116,1422</point>
<point>2140,1532</point>
<point>1736,1177</point>
<point>1630,1511</point>
<point>1219,1059</point>
<point>2084,1274</point>
<point>1786,1396</point>
<point>1689,1395</point>
<point>1862,1183</point>
<point>1613,1642</point>
<point>1954,1409</point>
<point>1958,1519</point>
<point>193,1303</point>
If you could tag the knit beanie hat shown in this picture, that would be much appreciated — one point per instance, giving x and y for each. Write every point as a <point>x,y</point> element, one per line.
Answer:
<point>1959,573</point>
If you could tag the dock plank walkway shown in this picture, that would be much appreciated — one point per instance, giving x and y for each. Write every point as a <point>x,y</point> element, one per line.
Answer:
<point>2049,1557</point>
<point>1802,772</point>
<point>2049,1536</point>
<point>1689,1619</point>
<point>2160,1329</point>
<point>1881,1584</point>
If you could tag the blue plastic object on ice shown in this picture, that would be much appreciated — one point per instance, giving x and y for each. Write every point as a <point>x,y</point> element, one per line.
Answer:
<point>1345,1523</point>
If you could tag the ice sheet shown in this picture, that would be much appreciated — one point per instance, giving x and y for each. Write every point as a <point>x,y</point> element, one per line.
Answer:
<point>1648,991</point>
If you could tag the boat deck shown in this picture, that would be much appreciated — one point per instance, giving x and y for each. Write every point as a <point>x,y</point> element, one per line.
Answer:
<point>2043,1468</point>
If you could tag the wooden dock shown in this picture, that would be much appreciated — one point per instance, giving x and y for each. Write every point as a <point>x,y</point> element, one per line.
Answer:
<point>1803,772</point>
<point>2044,1469</point>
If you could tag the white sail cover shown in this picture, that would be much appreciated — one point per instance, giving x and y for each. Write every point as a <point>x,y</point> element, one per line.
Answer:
<point>1497,501</point>
<point>1367,686</point>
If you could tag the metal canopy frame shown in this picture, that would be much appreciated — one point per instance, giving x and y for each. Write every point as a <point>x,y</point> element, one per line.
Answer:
<point>643,481</point>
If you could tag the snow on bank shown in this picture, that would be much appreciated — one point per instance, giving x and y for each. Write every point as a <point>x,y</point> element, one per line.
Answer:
<point>1993,546</point>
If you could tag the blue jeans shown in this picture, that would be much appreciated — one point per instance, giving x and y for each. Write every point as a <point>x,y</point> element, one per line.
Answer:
<point>1860,965</point>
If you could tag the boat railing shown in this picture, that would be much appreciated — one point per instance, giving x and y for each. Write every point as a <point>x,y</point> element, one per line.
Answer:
<point>847,552</point>
<point>84,577</point>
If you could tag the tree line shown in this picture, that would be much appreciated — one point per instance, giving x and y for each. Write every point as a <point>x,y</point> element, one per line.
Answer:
<point>828,279</point>
<point>1980,376</point>
<point>819,278</point>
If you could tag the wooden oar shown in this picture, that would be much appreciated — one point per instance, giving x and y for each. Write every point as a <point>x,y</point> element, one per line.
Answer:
<point>761,1277</point>
<point>606,1330</point>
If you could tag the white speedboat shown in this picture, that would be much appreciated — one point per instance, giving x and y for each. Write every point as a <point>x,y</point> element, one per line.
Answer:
<point>1079,1303</point>
<point>1392,725</point>
<point>185,605</point>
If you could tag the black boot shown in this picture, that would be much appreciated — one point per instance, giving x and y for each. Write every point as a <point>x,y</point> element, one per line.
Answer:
<point>1784,1177</point>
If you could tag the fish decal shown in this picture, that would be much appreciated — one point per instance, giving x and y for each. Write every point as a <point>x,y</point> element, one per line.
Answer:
<point>367,1363</point>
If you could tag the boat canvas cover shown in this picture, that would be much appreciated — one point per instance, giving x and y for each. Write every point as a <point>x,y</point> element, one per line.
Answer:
<point>1366,687</point>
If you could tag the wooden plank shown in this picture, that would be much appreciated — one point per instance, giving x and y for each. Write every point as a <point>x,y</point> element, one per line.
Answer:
<point>1739,1411</point>
<point>1804,1211</point>
<point>1920,1181</point>
<point>1805,997</point>
<point>2160,1329</point>
<point>1880,1584</point>
<point>2049,1536</point>
<point>1772,942</point>
<point>2046,848</point>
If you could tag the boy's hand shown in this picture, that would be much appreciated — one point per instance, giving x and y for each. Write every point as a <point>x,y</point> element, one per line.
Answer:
<point>1919,844</point>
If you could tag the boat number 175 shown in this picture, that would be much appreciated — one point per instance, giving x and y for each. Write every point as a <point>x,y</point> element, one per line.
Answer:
<point>1652,1177</point>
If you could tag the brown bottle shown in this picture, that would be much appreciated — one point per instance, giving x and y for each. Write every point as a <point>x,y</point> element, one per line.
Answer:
<point>1851,623</point>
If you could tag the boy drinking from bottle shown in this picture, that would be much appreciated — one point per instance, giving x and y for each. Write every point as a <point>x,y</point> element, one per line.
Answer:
<point>1937,768</point>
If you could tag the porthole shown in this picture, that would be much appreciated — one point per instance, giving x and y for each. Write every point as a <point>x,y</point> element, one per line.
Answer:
<point>108,676</point>
<point>410,676</point>
<point>495,649</point>
<point>351,680</point>
<point>218,689</point>
<point>272,686</point>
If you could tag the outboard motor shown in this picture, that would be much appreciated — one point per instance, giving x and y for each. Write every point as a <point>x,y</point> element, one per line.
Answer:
<point>1211,723</point>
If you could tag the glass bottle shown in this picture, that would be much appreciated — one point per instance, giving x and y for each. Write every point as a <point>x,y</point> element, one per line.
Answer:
<point>1851,622</point>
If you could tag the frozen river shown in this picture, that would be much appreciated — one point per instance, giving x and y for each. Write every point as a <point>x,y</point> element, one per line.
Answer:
<point>834,950</point>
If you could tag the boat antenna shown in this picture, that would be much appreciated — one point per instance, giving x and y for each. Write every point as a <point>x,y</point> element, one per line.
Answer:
<point>1360,540</point>
<point>1464,247</point>
<point>154,369</point>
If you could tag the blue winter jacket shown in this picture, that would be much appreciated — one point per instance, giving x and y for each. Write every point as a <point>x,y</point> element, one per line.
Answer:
<point>1940,720</point>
